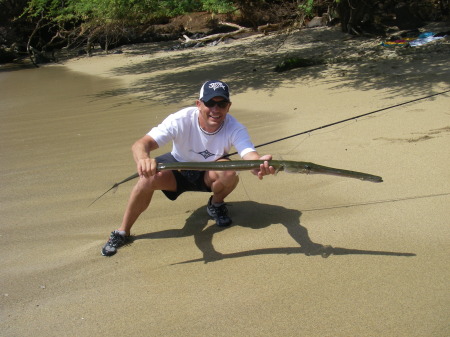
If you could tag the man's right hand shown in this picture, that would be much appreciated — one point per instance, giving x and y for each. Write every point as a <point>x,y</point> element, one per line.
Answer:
<point>146,167</point>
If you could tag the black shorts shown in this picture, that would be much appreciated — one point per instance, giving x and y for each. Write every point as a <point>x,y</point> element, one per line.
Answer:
<point>186,180</point>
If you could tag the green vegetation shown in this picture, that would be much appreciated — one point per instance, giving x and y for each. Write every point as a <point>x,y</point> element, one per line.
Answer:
<point>307,7</point>
<point>45,25</point>
<point>118,10</point>
<point>56,23</point>
<point>298,62</point>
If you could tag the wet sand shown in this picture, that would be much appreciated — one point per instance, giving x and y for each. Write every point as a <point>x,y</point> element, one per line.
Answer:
<point>66,132</point>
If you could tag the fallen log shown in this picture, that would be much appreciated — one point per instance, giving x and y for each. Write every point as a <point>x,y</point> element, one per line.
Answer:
<point>219,36</point>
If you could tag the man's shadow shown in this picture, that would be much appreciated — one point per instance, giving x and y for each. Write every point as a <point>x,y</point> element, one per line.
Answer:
<point>254,215</point>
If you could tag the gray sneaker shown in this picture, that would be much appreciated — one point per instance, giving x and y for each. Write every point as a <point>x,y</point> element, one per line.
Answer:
<point>115,242</point>
<point>220,214</point>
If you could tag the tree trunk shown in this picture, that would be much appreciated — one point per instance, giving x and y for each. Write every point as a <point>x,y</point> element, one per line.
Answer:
<point>354,14</point>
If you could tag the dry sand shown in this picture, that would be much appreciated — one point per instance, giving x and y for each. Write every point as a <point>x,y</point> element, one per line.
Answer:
<point>65,137</point>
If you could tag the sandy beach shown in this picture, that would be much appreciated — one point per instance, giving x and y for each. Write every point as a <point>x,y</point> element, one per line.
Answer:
<point>66,131</point>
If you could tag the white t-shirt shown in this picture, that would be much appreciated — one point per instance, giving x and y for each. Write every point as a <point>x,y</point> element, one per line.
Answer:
<point>191,143</point>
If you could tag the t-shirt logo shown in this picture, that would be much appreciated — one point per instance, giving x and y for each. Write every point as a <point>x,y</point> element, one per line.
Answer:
<point>205,154</point>
<point>217,85</point>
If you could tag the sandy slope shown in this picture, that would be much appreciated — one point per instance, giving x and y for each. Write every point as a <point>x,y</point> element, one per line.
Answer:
<point>65,137</point>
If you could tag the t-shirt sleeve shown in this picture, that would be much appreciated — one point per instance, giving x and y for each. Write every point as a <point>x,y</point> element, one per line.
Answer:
<point>164,132</point>
<point>242,142</point>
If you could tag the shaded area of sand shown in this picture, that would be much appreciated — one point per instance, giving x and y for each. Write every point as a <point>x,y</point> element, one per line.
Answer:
<point>65,138</point>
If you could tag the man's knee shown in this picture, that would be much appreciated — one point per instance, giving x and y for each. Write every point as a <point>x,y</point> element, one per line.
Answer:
<point>228,178</point>
<point>224,178</point>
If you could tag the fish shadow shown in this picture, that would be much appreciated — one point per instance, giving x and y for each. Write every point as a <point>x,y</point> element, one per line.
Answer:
<point>250,214</point>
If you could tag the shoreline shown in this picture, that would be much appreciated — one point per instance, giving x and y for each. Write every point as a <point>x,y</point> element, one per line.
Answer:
<point>73,125</point>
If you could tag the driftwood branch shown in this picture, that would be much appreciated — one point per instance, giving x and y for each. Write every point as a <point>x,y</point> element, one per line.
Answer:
<point>219,36</point>
<point>264,29</point>
<point>31,51</point>
<point>270,27</point>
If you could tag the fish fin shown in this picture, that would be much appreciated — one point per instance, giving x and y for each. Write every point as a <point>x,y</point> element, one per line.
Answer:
<point>280,168</point>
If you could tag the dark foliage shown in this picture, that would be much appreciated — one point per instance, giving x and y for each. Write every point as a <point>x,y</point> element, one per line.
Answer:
<point>38,27</point>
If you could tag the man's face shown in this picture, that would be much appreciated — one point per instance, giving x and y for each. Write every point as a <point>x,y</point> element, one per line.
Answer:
<point>212,113</point>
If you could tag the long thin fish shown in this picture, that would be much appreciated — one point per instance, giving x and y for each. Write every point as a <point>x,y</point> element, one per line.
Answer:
<point>279,165</point>
<point>246,165</point>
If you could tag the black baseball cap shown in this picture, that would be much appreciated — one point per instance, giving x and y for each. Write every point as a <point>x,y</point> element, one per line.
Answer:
<point>213,89</point>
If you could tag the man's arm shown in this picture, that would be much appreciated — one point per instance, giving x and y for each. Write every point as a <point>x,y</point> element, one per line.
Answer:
<point>264,169</point>
<point>146,166</point>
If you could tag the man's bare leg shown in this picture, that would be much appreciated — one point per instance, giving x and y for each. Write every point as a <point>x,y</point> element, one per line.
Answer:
<point>142,194</point>
<point>222,183</point>
<point>138,202</point>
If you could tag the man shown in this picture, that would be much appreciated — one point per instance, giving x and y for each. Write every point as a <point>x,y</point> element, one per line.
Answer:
<point>202,133</point>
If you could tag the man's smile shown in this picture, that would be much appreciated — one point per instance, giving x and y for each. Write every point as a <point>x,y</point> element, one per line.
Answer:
<point>215,117</point>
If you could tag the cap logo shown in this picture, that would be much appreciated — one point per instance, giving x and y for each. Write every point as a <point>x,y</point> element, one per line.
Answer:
<point>217,85</point>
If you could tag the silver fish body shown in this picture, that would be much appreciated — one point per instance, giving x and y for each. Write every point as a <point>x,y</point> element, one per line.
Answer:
<point>279,165</point>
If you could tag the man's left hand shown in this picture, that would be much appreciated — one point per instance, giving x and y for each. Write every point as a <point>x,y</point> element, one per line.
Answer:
<point>265,169</point>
